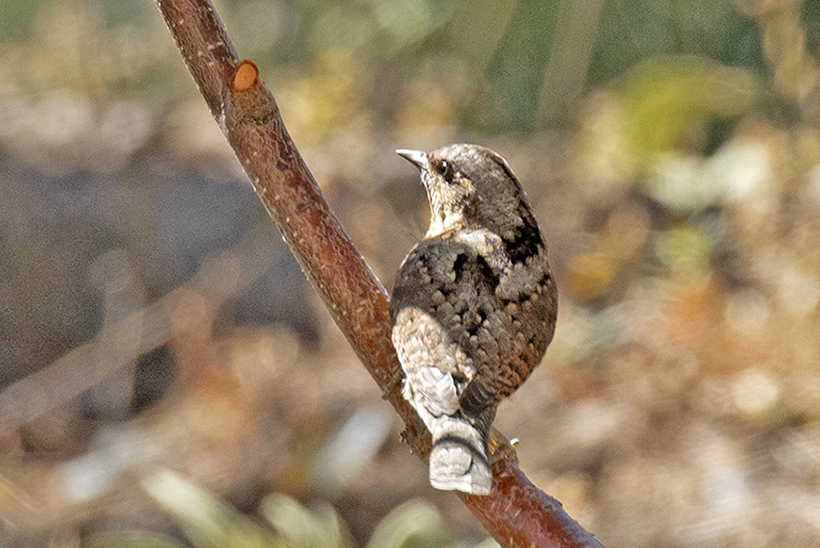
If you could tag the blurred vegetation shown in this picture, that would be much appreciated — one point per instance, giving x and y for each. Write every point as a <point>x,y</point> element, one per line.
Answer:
<point>150,315</point>
<point>207,522</point>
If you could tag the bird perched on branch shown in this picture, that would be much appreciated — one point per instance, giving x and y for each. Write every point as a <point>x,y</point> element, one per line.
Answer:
<point>473,307</point>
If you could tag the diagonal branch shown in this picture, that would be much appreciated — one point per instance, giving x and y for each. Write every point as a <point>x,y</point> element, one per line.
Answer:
<point>516,513</point>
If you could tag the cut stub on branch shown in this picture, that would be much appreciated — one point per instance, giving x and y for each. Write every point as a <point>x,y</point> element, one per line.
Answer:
<point>246,76</point>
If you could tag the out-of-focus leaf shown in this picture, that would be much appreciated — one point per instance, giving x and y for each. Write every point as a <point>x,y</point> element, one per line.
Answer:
<point>684,249</point>
<point>301,527</point>
<point>668,100</point>
<point>516,71</point>
<point>128,539</point>
<point>414,520</point>
<point>635,30</point>
<point>206,521</point>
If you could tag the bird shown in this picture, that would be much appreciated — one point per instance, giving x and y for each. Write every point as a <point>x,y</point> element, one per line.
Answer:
<point>473,307</point>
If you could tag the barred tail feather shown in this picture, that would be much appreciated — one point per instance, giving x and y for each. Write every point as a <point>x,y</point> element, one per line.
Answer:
<point>458,459</point>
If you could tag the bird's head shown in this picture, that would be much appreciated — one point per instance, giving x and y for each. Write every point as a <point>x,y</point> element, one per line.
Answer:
<point>469,187</point>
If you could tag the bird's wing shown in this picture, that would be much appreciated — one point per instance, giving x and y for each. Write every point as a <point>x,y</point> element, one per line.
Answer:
<point>428,360</point>
<point>436,309</point>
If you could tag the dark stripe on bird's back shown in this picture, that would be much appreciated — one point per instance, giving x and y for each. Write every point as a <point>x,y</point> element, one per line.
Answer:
<point>484,273</point>
<point>459,265</point>
<point>488,275</point>
<point>525,241</point>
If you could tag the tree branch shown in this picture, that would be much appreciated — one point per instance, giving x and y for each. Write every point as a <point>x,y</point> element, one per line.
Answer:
<point>516,513</point>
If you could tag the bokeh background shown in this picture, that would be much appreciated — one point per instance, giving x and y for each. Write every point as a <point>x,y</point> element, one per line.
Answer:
<point>152,320</point>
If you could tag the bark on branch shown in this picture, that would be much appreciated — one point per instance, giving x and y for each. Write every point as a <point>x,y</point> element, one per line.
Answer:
<point>516,513</point>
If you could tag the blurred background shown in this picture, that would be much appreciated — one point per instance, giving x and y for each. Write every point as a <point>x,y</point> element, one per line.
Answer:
<point>152,320</point>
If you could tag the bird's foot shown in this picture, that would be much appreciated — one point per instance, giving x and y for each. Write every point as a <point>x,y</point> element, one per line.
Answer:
<point>501,448</point>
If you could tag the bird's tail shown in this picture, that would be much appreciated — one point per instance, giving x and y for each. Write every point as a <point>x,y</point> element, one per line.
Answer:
<point>458,459</point>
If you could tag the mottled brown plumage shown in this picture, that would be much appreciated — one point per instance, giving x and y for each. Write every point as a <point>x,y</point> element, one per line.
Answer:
<point>473,307</point>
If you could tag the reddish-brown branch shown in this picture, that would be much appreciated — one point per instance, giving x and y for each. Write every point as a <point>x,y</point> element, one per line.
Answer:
<point>516,513</point>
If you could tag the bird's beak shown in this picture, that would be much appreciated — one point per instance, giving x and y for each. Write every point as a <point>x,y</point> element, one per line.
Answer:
<point>416,157</point>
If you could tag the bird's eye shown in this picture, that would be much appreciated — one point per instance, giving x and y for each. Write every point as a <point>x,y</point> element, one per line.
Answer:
<point>445,170</point>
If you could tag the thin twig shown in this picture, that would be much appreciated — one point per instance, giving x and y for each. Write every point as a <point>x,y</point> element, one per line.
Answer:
<point>516,513</point>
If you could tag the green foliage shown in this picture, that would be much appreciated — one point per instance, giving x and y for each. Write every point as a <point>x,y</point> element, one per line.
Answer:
<point>129,540</point>
<point>16,17</point>
<point>669,101</point>
<point>516,72</point>
<point>415,523</point>
<point>684,249</point>
<point>206,521</point>
<point>635,30</point>
<point>501,63</point>
<point>209,523</point>
<point>320,528</point>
